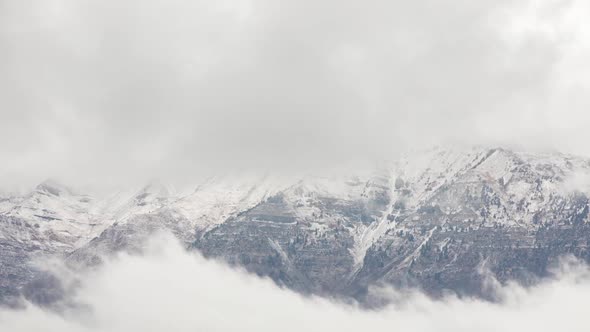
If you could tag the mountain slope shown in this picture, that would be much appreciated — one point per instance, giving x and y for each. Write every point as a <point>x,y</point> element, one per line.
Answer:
<point>435,220</point>
<point>442,219</point>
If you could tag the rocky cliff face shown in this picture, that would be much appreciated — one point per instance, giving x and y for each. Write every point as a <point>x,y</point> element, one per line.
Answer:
<point>441,220</point>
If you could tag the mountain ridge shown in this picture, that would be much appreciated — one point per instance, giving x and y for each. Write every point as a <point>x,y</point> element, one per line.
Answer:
<point>427,220</point>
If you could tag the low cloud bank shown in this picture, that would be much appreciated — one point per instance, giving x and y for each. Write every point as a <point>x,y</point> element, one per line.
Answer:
<point>169,289</point>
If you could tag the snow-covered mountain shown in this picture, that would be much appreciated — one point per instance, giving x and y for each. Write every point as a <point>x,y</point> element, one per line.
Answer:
<point>433,219</point>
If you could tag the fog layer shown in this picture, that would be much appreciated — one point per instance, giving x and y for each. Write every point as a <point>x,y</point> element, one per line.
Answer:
<point>169,289</point>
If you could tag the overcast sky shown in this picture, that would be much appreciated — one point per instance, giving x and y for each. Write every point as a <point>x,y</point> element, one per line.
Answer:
<point>130,89</point>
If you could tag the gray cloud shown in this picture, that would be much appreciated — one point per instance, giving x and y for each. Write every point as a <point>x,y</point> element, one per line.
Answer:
<point>170,289</point>
<point>116,91</point>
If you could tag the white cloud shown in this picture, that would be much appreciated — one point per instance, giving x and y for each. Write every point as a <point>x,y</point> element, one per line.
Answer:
<point>169,289</point>
<point>90,90</point>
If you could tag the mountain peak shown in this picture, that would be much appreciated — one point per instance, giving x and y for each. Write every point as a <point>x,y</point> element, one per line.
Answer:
<point>157,188</point>
<point>52,187</point>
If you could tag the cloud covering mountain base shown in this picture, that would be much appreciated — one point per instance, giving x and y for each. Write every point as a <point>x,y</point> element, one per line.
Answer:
<point>168,288</point>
